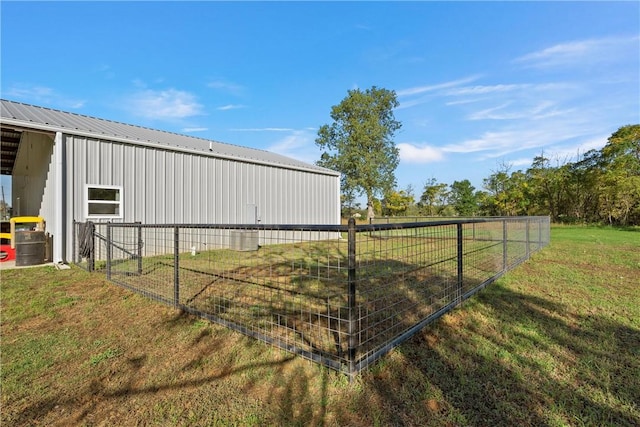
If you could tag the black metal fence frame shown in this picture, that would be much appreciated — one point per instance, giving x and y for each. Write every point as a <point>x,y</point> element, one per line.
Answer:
<point>354,363</point>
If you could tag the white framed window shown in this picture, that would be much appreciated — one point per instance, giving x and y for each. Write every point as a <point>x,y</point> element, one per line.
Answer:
<point>103,201</point>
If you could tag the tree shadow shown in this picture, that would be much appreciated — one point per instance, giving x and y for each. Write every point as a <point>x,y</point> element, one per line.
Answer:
<point>484,378</point>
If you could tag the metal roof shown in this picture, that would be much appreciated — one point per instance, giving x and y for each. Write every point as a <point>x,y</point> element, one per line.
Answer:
<point>27,116</point>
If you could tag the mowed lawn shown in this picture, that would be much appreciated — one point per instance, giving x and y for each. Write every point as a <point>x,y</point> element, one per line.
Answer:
<point>555,342</point>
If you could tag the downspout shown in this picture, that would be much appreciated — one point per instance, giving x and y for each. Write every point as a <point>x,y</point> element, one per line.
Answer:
<point>58,221</point>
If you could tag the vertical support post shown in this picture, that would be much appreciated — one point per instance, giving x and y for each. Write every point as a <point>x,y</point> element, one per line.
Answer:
<point>74,241</point>
<point>139,248</point>
<point>59,220</point>
<point>460,265</point>
<point>109,250</point>
<point>353,338</point>
<point>90,228</point>
<point>504,245</point>
<point>528,239</point>
<point>540,223</point>
<point>176,266</point>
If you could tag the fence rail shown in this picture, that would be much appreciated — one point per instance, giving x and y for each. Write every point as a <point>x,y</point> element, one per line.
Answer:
<point>342,296</point>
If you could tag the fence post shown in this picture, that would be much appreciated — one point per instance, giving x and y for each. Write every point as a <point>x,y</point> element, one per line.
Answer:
<point>91,261</point>
<point>504,245</point>
<point>353,339</point>
<point>540,233</point>
<point>460,264</point>
<point>74,242</point>
<point>528,240</point>
<point>176,266</point>
<point>139,248</point>
<point>109,250</point>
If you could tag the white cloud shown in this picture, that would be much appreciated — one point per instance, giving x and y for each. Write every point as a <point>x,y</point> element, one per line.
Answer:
<point>42,95</point>
<point>412,153</point>
<point>430,88</point>
<point>574,151</point>
<point>191,130</point>
<point>299,144</point>
<point>581,52</point>
<point>164,104</point>
<point>503,142</point>
<point>261,130</point>
<point>230,107</point>
<point>525,161</point>
<point>500,143</point>
<point>541,109</point>
<point>487,89</point>
<point>226,86</point>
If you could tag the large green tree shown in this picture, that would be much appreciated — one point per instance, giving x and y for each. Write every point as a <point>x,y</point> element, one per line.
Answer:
<point>620,177</point>
<point>359,143</point>
<point>463,198</point>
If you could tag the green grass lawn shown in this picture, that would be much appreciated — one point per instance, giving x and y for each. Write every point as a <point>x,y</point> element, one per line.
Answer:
<point>554,342</point>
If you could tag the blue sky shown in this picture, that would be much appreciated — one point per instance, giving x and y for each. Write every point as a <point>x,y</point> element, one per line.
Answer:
<point>480,84</point>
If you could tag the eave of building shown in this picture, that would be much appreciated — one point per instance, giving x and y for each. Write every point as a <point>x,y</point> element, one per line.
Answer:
<point>23,125</point>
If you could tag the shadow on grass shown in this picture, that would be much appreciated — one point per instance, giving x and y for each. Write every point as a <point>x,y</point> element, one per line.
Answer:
<point>536,365</point>
<point>532,364</point>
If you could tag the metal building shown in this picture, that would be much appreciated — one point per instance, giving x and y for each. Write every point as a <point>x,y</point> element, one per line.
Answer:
<point>68,167</point>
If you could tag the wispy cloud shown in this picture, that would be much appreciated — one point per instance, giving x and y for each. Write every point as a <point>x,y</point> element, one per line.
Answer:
<point>298,144</point>
<point>230,107</point>
<point>227,86</point>
<point>417,153</point>
<point>572,152</point>
<point>561,154</point>
<point>192,130</point>
<point>431,88</point>
<point>164,104</point>
<point>261,130</point>
<point>539,109</point>
<point>581,52</point>
<point>493,144</point>
<point>42,95</point>
<point>487,89</point>
<point>418,95</point>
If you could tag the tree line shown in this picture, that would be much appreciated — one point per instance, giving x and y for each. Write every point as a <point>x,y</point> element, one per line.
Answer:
<point>600,186</point>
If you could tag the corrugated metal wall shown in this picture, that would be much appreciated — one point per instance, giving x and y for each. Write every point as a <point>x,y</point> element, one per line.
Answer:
<point>162,187</point>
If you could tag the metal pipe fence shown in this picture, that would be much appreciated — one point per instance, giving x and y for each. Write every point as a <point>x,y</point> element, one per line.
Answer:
<point>342,296</point>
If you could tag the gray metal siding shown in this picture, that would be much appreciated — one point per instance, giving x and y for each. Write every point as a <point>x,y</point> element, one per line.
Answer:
<point>165,187</point>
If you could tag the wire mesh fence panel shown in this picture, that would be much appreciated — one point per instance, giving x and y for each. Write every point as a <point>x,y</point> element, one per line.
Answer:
<point>403,276</point>
<point>339,295</point>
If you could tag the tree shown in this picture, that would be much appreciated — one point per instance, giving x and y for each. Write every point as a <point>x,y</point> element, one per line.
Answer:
<point>497,186</point>
<point>620,178</point>
<point>397,203</point>
<point>433,197</point>
<point>509,194</point>
<point>359,143</point>
<point>463,198</point>
<point>623,149</point>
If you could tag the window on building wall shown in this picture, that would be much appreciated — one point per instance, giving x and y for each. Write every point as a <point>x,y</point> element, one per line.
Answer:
<point>104,201</point>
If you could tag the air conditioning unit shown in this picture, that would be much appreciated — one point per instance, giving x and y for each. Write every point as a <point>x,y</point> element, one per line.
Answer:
<point>243,240</point>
